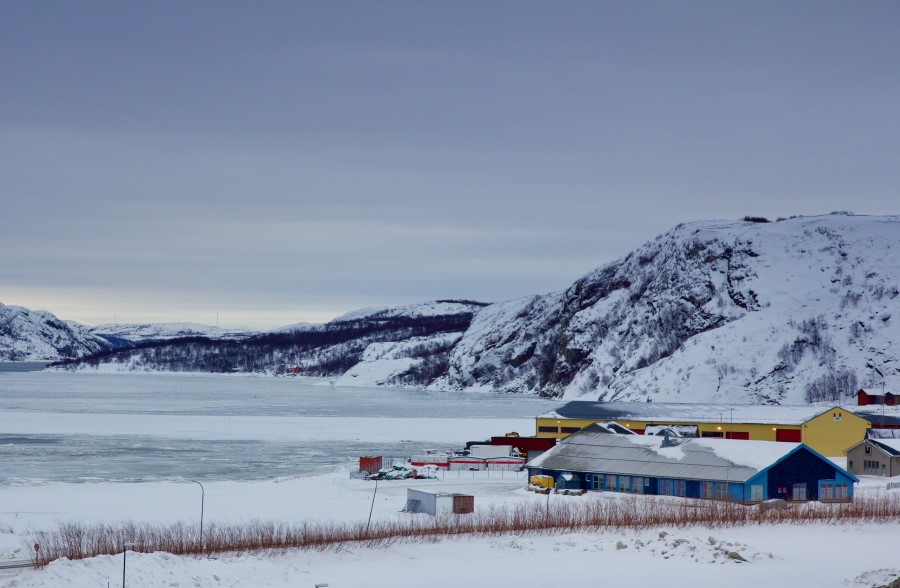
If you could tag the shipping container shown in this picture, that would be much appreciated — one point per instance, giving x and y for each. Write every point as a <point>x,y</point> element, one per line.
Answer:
<point>436,459</point>
<point>490,451</point>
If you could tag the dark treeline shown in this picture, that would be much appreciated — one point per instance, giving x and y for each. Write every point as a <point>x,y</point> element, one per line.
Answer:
<point>323,350</point>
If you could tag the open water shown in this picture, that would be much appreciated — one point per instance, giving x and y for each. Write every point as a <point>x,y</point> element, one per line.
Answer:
<point>89,458</point>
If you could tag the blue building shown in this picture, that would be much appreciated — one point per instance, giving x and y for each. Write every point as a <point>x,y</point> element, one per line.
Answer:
<point>719,469</point>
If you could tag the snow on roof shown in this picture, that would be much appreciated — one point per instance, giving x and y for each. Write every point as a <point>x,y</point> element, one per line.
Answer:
<point>688,412</point>
<point>705,459</point>
<point>754,454</point>
<point>892,445</point>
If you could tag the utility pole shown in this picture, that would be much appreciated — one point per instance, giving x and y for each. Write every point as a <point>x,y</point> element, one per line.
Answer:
<point>878,371</point>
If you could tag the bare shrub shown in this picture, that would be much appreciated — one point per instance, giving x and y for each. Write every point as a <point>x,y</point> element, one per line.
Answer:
<point>833,386</point>
<point>80,540</point>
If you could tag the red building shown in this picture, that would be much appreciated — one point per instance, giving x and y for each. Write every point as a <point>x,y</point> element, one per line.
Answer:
<point>864,398</point>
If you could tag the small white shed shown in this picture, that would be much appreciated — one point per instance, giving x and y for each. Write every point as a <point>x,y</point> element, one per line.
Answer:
<point>437,503</point>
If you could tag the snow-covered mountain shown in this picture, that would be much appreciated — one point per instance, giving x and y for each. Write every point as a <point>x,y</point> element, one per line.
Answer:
<point>741,311</point>
<point>140,332</point>
<point>37,335</point>
<point>790,311</point>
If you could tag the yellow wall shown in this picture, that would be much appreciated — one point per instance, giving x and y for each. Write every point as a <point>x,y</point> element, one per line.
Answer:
<point>831,437</point>
<point>822,433</point>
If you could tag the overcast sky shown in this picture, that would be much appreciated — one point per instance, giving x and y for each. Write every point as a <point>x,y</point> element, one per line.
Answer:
<point>282,162</point>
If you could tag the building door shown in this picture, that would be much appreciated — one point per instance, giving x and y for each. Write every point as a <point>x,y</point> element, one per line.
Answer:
<point>789,435</point>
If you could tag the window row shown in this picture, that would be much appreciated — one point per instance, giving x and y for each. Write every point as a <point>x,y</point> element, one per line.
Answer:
<point>830,490</point>
<point>870,466</point>
<point>715,490</point>
<point>615,483</point>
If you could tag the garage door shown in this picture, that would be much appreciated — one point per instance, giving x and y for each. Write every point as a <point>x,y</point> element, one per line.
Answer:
<point>791,435</point>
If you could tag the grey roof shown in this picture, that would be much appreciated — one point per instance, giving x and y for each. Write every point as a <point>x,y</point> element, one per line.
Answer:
<point>593,450</point>
<point>675,412</point>
<point>877,419</point>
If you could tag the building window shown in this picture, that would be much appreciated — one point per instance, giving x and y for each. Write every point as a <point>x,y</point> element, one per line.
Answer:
<point>798,492</point>
<point>868,450</point>
<point>756,493</point>
<point>610,482</point>
<point>871,466</point>
<point>706,489</point>
<point>637,484</point>
<point>711,434</point>
<point>722,491</point>
<point>546,429</point>
<point>571,429</point>
<point>841,491</point>
<point>624,483</point>
<point>672,487</point>
<point>598,482</point>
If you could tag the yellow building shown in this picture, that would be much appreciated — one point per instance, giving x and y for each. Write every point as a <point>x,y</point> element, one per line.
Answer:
<point>827,430</point>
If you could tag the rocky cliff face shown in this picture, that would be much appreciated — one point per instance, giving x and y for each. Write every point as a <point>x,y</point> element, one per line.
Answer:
<point>738,311</point>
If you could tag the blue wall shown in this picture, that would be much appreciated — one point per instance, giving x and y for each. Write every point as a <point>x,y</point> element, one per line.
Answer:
<point>802,466</point>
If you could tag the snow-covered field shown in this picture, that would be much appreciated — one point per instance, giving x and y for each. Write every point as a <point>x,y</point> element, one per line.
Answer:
<point>820,555</point>
<point>73,415</point>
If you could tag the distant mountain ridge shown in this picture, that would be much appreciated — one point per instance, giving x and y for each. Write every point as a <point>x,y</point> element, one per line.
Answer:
<point>140,332</point>
<point>737,311</point>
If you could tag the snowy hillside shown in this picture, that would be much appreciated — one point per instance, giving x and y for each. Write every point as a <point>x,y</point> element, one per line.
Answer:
<point>779,312</point>
<point>35,335</point>
<point>136,333</point>
<point>402,346</point>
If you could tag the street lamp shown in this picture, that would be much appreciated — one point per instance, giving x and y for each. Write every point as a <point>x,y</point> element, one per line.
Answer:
<point>372,508</point>
<point>202,498</point>
<point>125,547</point>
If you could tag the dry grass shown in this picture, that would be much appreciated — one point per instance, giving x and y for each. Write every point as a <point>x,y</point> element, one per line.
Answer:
<point>80,540</point>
